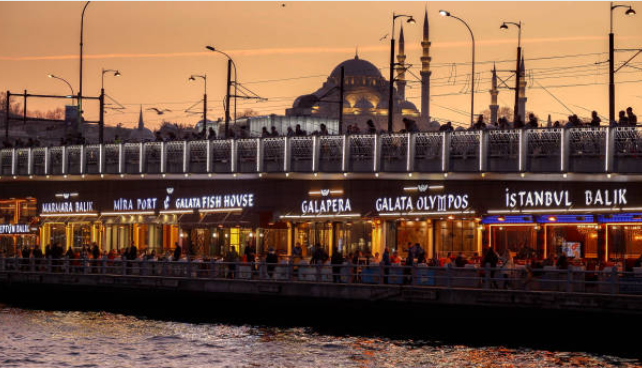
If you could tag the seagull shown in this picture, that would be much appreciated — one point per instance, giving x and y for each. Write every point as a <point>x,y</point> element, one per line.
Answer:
<point>159,112</point>
<point>384,37</point>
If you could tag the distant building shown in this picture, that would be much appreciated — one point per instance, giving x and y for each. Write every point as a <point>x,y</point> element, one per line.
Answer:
<point>141,134</point>
<point>366,92</point>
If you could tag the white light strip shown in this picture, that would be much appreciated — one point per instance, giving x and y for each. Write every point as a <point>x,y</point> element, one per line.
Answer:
<point>318,192</point>
<point>414,189</point>
<point>465,212</point>
<point>175,212</point>
<point>321,216</point>
<point>68,214</point>
<point>519,149</point>
<point>606,151</point>
<point>127,213</point>
<point>62,195</point>
<point>567,210</point>
<point>219,210</point>
<point>481,149</point>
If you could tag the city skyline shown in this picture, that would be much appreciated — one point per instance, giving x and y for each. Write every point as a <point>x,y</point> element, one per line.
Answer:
<point>281,53</point>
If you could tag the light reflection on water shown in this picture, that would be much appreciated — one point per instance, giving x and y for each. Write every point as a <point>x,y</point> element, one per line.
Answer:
<point>31,338</point>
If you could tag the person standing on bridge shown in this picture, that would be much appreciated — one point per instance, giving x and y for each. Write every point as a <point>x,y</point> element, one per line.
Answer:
<point>177,252</point>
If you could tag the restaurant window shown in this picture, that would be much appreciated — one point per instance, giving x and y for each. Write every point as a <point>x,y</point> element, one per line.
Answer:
<point>81,234</point>
<point>520,240</point>
<point>7,211</point>
<point>455,236</point>
<point>310,233</point>
<point>27,211</point>
<point>624,241</point>
<point>401,232</point>
<point>58,234</point>
<point>351,237</point>
<point>576,241</point>
<point>277,238</point>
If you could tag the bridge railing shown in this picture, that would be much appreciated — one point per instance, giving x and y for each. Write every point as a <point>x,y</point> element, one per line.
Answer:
<point>472,276</point>
<point>543,150</point>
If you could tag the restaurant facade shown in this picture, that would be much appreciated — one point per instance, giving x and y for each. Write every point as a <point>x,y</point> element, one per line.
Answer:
<point>207,217</point>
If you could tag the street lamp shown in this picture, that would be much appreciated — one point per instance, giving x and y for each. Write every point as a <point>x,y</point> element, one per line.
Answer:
<point>101,121</point>
<point>230,64</point>
<point>105,71</point>
<point>64,80</point>
<point>472,76</point>
<point>204,77</point>
<point>392,66</point>
<point>517,68</point>
<point>629,11</point>
<point>82,25</point>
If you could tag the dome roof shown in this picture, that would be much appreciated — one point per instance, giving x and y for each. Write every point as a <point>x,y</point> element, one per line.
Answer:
<point>306,101</point>
<point>356,68</point>
<point>364,104</point>
<point>408,105</point>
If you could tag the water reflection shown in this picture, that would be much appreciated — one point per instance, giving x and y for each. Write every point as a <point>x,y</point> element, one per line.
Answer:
<point>33,338</point>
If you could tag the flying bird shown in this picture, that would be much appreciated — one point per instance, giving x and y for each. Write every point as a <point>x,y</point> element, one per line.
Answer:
<point>159,112</point>
<point>384,37</point>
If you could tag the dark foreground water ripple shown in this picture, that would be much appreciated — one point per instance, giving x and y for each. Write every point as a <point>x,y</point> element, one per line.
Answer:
<point>34,338</point>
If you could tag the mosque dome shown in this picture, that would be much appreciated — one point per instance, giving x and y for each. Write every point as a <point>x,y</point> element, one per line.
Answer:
<point>306,101</point>
<point>364,104</point>
<point>408,105</point>
<point>356,68</point>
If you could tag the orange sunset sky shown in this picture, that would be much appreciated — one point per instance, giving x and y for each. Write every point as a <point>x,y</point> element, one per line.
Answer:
<point>284,51</point>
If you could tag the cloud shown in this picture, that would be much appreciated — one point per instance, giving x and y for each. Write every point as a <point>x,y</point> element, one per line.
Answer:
<point>306,50</point>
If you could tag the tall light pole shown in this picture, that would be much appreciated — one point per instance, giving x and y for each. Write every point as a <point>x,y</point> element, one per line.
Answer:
<point>101,121</point>
<point>472,75</point>
<point>102,78</point>
<point>629,11</point>
<point>392,67</point>
<point>517,68</point>
<point>64,80</point>
<point>204,77</point>
<point>82,25</point>
<point>230,64</point>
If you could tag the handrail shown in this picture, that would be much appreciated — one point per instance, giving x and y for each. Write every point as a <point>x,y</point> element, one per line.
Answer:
<point>594,150</point>
<point>516,278</point>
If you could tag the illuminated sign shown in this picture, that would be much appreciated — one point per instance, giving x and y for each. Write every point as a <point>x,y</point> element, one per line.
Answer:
<point>68,207</point>
<point>215,201</point>
<point>14,229</point>
<point>435,202</point>
<point>138,204</point>
<point>321,206</point>
<point>562,198</point>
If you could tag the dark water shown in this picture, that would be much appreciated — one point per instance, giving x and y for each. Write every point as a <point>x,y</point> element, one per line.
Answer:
<point>36,338</point>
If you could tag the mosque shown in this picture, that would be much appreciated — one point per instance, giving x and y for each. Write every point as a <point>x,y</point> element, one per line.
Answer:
<point>366,92</point>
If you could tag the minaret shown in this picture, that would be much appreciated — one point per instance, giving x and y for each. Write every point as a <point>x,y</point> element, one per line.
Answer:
<point>401,68</point>
<point>425,72</point>
<point>522,90</point>
<point>493,98</point>
<point>141,124</point>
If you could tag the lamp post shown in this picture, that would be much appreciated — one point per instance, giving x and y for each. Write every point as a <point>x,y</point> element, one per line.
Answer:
<point>629,11</point>
<point>472,76</point>
<point>102,79</point>
<point>230,64</point>
<point>82,25</point>
<point>517,69</point>
<point>64,80</point>
<point>101,121</point>
<point>392,67</point>
<point>204,77</point>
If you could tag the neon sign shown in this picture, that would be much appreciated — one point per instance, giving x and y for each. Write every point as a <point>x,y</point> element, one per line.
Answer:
<point>436,202</point>
<point>14,229</point>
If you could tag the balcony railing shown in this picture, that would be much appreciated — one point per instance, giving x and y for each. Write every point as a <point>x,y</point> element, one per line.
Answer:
<point>545,150</point>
